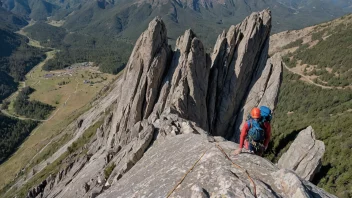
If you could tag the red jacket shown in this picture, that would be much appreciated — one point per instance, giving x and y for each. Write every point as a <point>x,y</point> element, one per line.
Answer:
<point>245,129</point>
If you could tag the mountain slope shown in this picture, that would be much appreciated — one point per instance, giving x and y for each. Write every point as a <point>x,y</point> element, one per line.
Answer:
<point>123,21</point>
<point>10,21</point>
<point>129,18</point>
<point>320,96</point>
<point>207,15</point>
<point>40,9</point>
<point>16,59</point>
<point>99,29</point>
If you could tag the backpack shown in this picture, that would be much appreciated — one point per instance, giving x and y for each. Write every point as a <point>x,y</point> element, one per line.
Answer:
<point>265,114</point>
<point>256,131</point>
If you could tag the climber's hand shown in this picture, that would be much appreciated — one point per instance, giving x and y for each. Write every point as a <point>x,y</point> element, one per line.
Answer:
<point>237,151</point>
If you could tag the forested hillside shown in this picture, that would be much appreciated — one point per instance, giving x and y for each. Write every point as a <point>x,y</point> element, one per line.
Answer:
<point>16,56</point>
<point>324,57</point>
<point>329,113</point>
<point>13,132</point>
<point>7,85</point>
<point>104,32</point>
<point>31,109</point>
<point>327,58</point>
<point>11,21</point>
<point>19,58</point>
<point>109,53</point>
<point>16,59</point>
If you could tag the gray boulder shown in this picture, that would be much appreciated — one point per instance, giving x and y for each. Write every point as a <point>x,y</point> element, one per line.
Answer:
<point>304,155</point>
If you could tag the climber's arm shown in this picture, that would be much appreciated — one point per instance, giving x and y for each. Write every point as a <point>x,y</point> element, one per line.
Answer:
<point>244,132</point>
<point>267,135</point>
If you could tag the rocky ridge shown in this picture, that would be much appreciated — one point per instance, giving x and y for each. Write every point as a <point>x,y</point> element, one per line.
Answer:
<point>212,176</point>
<point>169,105</point>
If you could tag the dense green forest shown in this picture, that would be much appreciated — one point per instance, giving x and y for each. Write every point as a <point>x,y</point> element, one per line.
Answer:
<point>9,42</point>
<point>11,21</point>
<point>111,54</point>
<point>12,134</point>
<point>7,85</point>
<point>16,59</point>
<point>49,36</point>
<point>328,111</point>
<point>31,109</point>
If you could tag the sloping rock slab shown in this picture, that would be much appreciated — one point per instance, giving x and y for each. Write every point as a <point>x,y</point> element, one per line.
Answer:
<point>167,161</point>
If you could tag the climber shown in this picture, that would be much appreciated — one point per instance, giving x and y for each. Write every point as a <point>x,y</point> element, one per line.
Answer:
<point>256,131</point>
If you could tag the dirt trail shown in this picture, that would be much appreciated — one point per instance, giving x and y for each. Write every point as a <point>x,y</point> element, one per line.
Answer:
<point>18,117</point>
<point>308,80</point>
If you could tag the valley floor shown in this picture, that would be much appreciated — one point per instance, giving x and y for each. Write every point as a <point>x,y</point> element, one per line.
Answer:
<point>70,91</point>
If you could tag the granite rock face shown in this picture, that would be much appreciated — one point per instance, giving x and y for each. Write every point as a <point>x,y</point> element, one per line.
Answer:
<point>170,104</point>
<point>184,89</point>
<point>264,90</point>
<point>168,161</point>
<point>304,155</point>
<point>237,55</point>
<point>141,80</point>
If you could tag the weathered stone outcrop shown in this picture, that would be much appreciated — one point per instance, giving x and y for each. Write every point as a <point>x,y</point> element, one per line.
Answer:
<point>264,90</point>
<point>141,82</point>
<point>237,55</point>
<point>169,104</point>
<point>304,155</point>
<point>188,83</point>
<point>167,161</point>
<point>184,89</point>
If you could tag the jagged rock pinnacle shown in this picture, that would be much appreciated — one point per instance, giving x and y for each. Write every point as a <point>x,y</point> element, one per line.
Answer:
<point>169,104</point>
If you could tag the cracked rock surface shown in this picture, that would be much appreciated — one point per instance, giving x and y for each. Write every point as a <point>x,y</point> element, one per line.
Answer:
<point>167,161</point>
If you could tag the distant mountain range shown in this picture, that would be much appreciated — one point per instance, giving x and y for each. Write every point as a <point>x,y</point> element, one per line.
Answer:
<point>111,27</point>
<point>10,21</point>
<point>130,17</point>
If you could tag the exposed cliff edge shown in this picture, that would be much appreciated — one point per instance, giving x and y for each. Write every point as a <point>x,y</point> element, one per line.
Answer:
<point>170,104</point>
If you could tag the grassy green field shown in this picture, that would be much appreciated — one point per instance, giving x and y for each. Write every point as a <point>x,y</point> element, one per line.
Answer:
<point>69,95</point>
